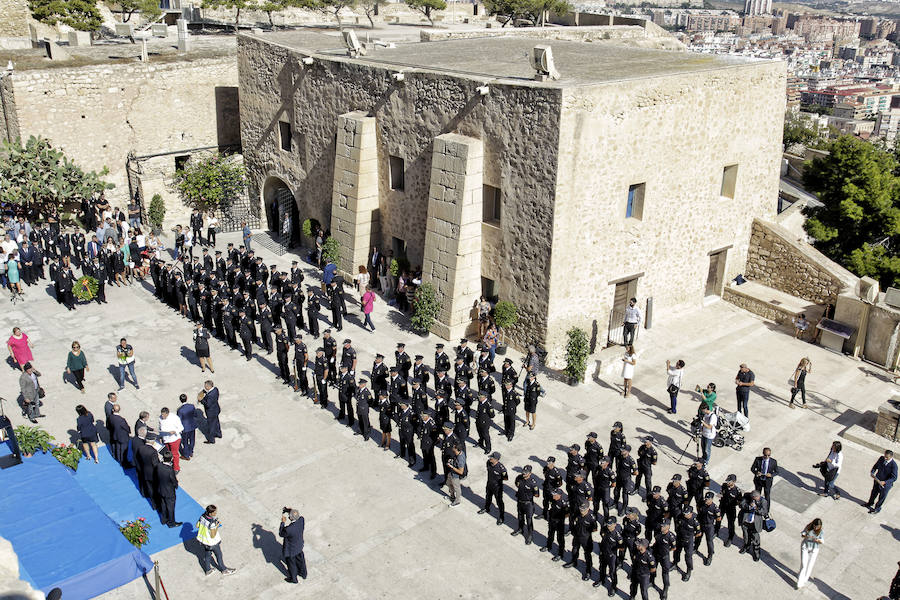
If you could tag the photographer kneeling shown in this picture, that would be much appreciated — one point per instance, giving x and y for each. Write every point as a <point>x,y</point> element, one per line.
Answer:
<point>292,547</point>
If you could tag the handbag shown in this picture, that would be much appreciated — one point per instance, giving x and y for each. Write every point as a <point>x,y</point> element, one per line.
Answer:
<point>41,392</point>
<point>672,389</point>
<point>769,524</point>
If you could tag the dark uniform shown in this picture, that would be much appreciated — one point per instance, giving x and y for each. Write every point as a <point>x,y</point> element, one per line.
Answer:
<point>461,423</point>
<point>662,550</point>
<point>166,484</point>
<point>510,404</point>
<point>379,376</point>
<point>406,420</point>
<point>616,443</point>
<point>697,483</point>
<point>312,314</point>
<point>282,345</point>
<point>611,543</point>
<point>647,457</point>
<point>346,389</point>
<point>553,479</point>
<point>709,517</point>
<point>301,359</point>
<point>329,344</point>
<point>687,530</point>
<point>420,372</point>
<point>728,506</point>
<point>593,452</point>
<point>605,482</point>
<point>677,497</point>
<point>625,470</point>
<point>320,372</point>
<point>289,313</point>
<point>402,361</point>
<point>441,360</point>
<point>642,566</point>
<point>447,444</point>
<point>631,530</point>
<point>496,475</point>
<point>555,512</point>
<point>363,398</point>
<point>246,331</point>
<point>484,418</point>
<point>656,512</point>
<point>428,433</point>
<point>526,491</point>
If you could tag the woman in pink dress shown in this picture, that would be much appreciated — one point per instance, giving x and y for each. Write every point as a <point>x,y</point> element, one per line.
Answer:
<point>19,348</point>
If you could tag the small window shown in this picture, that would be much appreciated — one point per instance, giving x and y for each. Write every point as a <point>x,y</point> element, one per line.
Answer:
<point>729,181</point>
<point>491,210</point>
<point>285,130</point>
<point>634,209</point>
<point>397,173</point>
<point>181,161</point>
<point>489,289</point>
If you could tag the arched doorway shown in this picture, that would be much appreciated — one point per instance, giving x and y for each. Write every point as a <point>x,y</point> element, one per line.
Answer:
<point>282,215</point>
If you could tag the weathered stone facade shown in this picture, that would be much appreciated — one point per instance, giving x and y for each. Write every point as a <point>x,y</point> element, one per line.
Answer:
<point>14,18</point>
<point>562,153</point>
<point>794,267</point>
<point>98,114</point>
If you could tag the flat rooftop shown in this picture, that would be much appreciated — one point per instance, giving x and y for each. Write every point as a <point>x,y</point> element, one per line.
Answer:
<point>506,58</point>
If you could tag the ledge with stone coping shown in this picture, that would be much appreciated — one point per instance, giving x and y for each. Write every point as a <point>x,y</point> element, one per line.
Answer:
<point>770,303</point>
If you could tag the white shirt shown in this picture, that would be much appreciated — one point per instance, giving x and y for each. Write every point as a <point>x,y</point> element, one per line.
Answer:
<point>170,428</point>
<point>710,419</point>
<point>837,458</point>
<point>632,314</point>
<point>141,241</point>
<point>675,375</point>
<point>188,238</point>
<point>9,246</point>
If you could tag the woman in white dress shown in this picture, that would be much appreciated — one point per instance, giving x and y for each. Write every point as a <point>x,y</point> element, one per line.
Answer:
<point>809,548</point>
<point>628,362</point>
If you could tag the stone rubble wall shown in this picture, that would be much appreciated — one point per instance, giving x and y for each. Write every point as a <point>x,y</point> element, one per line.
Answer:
<point>97,114</point>
<point>766,310</point>
<point>13,18</point>
<point>779,261</point>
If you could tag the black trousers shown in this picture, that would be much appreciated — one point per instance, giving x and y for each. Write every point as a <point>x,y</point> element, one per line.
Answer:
<point>484,436</point>
<point>346,407</point>
<point>213,428</point>
<point>647,474</point>
<point>167,510</point>
<point>688,547</point>
<point>663,566</point>
<point>587,545</point>
<point>765,487</point>
<point>302,382</point>
<point>337,320</point>
<point>607,563</point>
<point>322,388</point>
<point>492,492</point>
<point>314,325</point>
<point>408,449</point>
<point>709,532</point>
<point>731,514</point>
<point>291,329</point>
<point>557,528</point>
<point>878,492</point>
<point>266,335</point>
<point>119,452</point>
<point>602,496</point>
<point>525,512</point>
<point>296,565</point>
<point>751,537</point>
<point>211,236</point>
<point>146,485</point>
<point>248,348</point>
<point>283,370</point>
<point>628,333</point>
<point>509,425</point>
<point>429,461</point>
<point>364,426</point>
<point>101,291</point>
<point>641,581</point>
<point>621,487</point>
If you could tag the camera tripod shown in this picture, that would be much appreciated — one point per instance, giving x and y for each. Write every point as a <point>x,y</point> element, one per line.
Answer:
<point>696,440</point>
<point>16,297</point>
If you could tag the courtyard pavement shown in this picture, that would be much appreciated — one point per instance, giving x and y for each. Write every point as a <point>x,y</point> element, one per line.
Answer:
<point>376,529</point>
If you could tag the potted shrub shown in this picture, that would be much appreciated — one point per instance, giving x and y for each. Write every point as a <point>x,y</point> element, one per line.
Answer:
<point>156,212</point>
<point>505,315</point>
<point>68,455</point>
<point>577,351</point>
<point>425,308</point>
<point>331,251</point>
<point>33,439</point>
<point>137,532</point>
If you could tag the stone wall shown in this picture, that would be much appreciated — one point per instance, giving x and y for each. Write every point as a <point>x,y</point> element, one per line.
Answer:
<point>517,125</point>
<point>9,120</point>
<point>98,114</point>
<point>675,134</point>
<point>777,260</point>
<point>13,18</point>
<point>757,306</point>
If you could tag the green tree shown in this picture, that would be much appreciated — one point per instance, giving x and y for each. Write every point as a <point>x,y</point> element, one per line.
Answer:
<point>331,250</point>
<point>37,173</point>
<point>149,9</point>
<point>156,212</point>
<point>425,307</point>
<point>82,15</point>
<point>370,7</point>
<point>577,350</point>
<point>859,222</point>
<point>211,181</point>
<point>237,5</point>
<point>544,7</point>
<point>334,7</point>
<point>426,7</point>
<point>511,9</point>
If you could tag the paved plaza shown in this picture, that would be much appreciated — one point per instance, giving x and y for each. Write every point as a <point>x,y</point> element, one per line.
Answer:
<point>377,529</point>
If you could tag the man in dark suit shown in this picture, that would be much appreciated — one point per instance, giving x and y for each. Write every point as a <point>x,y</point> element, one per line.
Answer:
<point>120,433</point>
<point>292,546</point>
<point>144,421</point>
<point>764,470</point>
<point>108,411</point>
<point>187,413</point>
<point>884,474</point>
<point>754,511</point>
<point>166,484</point>
<point>210,402</point>
<point>145,459</point>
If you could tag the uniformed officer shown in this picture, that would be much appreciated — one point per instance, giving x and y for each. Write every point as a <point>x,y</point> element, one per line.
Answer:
<point>626,469</point>
<point>710,518</point>
<point>582,532</point>
<point>486,384</point>
<point>334,301</point>
<point>616,443</point>
<point>532,392</point>
<point>593,452</point>
<point>574,464</point>
<point>646,459</point>
<point>687,531</point>
<point>420,372</point>
<point>526,491</point>
<point>397,388</point>
<point>697,483</point>
<point>604,484</point>
<point>461,371</point>
<point>656,511</point>
<point>728,505</point>
<point>312,314</point>
<point>406,420</point>
<point>510,404</point>
<point>484,360</point>
<point>402,361</point>
<point>450,441</point>
<point>363,398</point>
<point>301,359</point>
<point>509,373</point>
<point>282,345</point>
<point>427,438</point>
<point>465,394</point>
<point>266,326</point>
<point>484,418</point>
<point>385,414</point>
<point>553,478</point>
<point>461,422</point>
<point>662,551</point>
<point>643,565</point>
<point>289,313</point>
<point>443,383</point>
<point>348,357</point>
<point>496,475</point>
<point>379,375</point>
<point>677,497</point>
<point>320,370</point>
<point>463,351</point>
<point>228,315</point>
<point>442,406</point>
<point>441,360</point>
<point>556,522</point>
<point>246,331</point>
<point>330,346</point>
<point>346,389</point>
<point>610,546</point>
<point>631,529</point>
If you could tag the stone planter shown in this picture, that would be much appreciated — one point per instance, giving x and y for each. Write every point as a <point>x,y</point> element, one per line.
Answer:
<point>501,350</point>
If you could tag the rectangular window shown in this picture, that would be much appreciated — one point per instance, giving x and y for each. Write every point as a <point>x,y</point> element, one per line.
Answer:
<point>491,199</point>
<point>399,247</point>
<point>729,181</point>
<point>181,161</point>
<point>489,289</point>
<point>398,181</point>
<point>285,131</point>
<point>634,209</point>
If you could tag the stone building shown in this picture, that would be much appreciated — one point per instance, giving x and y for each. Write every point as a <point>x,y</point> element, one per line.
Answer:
<point>637,173</point>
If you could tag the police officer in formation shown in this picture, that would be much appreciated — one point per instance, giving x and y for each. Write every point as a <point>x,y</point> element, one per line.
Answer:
<point>496,475</point>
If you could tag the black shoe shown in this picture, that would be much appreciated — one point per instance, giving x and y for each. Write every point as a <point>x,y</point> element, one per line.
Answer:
<point>289,580</point>
<point>208,442</point>
<point>707,561</point>
<point>742,550</point>
<point>499,520</point>
<point>516,532</point>
<point>756,558</point>
<point>528,542</point>
<point>568,565</point>
<point>686,576</point>
<point>545,549</point>
<point>612,591</point>
<point>598,583</point>
<point>482,511</point>
<point>557,558</point>
<point>585,577</point>
<point>727,542</point>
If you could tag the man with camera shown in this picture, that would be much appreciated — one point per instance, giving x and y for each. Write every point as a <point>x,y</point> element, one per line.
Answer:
<point>754,511</point>
<point>292,546</point>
